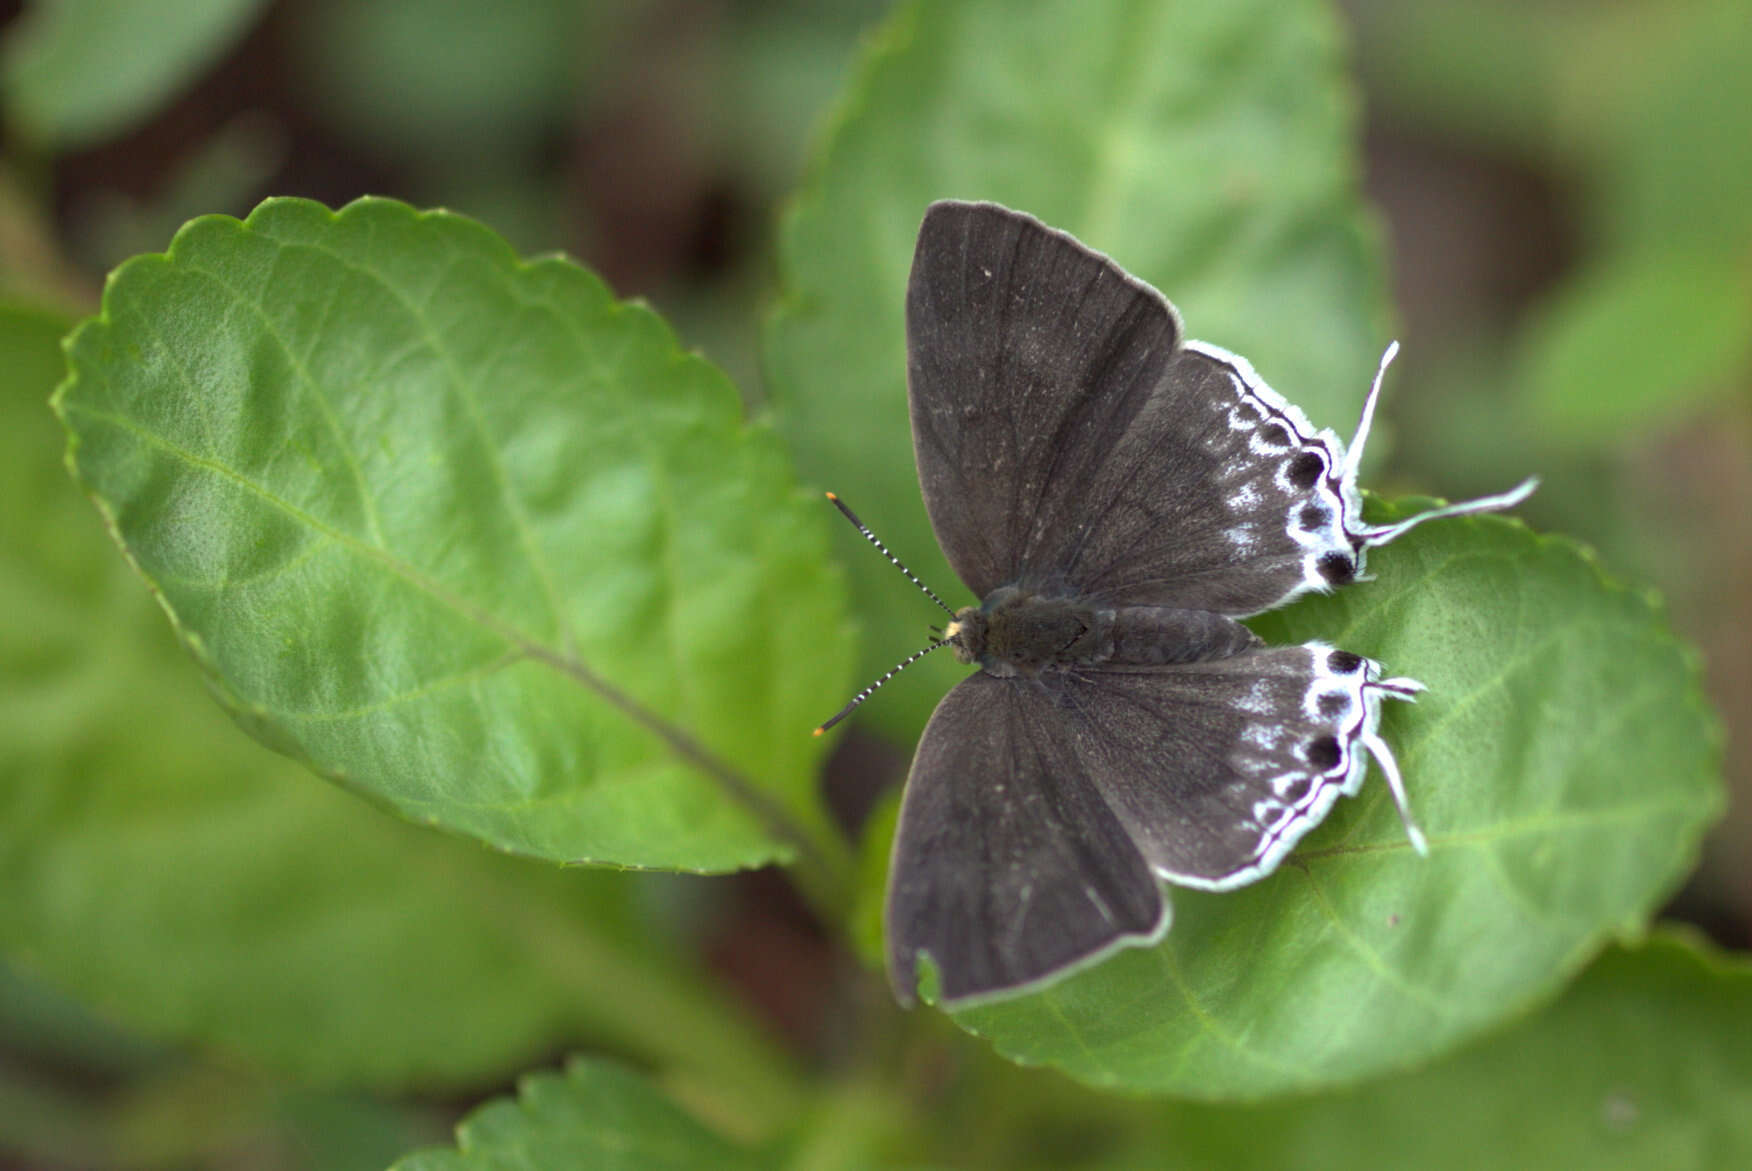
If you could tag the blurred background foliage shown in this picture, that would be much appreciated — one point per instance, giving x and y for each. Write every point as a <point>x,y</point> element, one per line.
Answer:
<point>1567,188</point>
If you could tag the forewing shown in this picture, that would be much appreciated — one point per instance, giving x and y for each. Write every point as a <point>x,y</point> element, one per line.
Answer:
<point>1068,440</point>
<point>1028,357</point>
<point>1008,865</point>
<point>1218,769</point>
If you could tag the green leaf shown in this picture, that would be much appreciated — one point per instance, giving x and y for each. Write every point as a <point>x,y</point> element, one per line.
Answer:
<point>595,1117</point>
<point>467,534</point>
<point>1564,765</point>
<point>1639,1065</point>
<point>78,71</point>
<point>864,926</point>
<point>1207,148</point>
<point>1641,341</point>
<point>199,889</point>
<point>1642,1065</point>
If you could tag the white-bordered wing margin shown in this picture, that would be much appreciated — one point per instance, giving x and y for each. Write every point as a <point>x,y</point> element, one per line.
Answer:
<point>1217,769</point>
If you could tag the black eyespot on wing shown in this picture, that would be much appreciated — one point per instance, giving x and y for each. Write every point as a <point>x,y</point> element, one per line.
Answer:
<point>1275,434</point>
<point>1314,517</point>
<point>1337,568</point>
<point>1343,662</point>
<point>1333,704</point>
<point>1305,470</point>
<point>1235,801</point>
<point>1324,752</point>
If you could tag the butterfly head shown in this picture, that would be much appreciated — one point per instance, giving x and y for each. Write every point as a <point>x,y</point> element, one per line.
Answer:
<point>966,635</point>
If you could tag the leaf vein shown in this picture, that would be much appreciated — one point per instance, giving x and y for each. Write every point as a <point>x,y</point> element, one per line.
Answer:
<point>325,408</point>
<point>1371,957</point>
<point>1208,1023</point>
<point>777,819</point>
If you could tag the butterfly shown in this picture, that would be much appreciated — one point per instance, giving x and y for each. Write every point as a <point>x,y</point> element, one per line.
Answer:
<point>1117,496</point>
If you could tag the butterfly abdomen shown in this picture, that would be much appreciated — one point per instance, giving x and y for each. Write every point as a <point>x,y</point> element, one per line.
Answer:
<point>1144,636</point>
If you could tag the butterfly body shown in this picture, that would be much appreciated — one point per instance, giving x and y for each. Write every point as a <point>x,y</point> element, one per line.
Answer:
<point>1118,497</point>
<point>1015,632</point>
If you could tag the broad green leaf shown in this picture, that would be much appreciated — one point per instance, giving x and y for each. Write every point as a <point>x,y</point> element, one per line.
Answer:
<point>78,71</point>
<point>467,534</point>
<point>1208,148</point>
<point>595,1117</point>
<point>1564,765</point>
<point>191,885</point>
<point>1587,378</point>
<point>865,927</point>
<point>1641,1066</point>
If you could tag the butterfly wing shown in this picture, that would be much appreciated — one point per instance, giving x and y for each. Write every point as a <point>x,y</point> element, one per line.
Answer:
<point>1217,769</point>
<point>1041,814</point>
<point>1066,436</point>
<point>1009,866</point>
<point>1027,356</point>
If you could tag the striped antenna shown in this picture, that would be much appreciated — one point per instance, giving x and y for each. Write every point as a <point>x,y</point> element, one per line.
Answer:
<point>936,642</point>
<point>870,690</point>
<point>883,549</point>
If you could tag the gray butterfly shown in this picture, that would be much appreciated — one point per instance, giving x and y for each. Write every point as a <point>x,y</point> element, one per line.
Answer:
<point>1117,496</point>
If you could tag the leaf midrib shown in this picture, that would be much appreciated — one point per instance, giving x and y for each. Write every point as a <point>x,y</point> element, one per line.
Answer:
<point>767,810</point>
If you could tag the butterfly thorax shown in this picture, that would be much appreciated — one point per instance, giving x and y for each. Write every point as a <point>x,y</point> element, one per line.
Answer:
<point>1016,631</point>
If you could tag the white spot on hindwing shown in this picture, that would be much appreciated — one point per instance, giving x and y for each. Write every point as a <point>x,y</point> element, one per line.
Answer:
<point>1282,785</point>
<point>1268,813</point>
